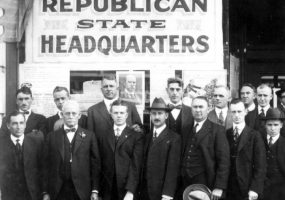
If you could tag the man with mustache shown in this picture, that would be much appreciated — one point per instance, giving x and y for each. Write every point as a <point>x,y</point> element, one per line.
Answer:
<point>221,114</point>
<point>34,121</point>
<point>99,118</point>
<point>161,156</point>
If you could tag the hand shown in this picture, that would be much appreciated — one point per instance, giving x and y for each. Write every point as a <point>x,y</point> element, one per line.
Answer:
<point>137,128</point>
<point>129,196</point>
<point>46,197</point>
<point>216,194</point>
<point>252,195</point>
<point>94,196</point>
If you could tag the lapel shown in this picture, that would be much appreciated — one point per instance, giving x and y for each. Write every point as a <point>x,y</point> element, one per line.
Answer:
<point>104,112</point>
<point>32,120</point>
<point>243,137</point>
<point>111,138</point>
<point>59,138</point>
<point>27,150</point>
<point>147,142</point>
<point>79,138</point>
<point>186,116</point>
<point>213,116</point>
<point>123,137</point>
<point>204,131</point>
<point>229,120</point>
<point>163,135</point>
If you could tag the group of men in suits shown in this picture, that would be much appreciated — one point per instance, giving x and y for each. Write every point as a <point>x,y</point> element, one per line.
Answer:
<point>236,150</point>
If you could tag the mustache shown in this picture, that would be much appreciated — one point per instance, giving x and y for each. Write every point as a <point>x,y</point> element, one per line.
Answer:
<point>156,120</point>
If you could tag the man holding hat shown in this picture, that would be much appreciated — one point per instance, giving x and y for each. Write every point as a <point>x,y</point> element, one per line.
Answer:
<point>161,156</point>
<point>275,151</point>
<point>205,152</point>
<point>247,153</point>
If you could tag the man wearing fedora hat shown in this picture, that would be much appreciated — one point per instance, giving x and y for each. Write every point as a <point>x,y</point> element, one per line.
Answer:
<point>161,156</point>
<point>247,155</point>
<point>275,151</point>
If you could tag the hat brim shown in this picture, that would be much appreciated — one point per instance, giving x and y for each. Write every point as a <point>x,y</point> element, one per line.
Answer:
<point>157,108</point>
<point>279,92</point>
<point>273,118</point>
<point>194,187</point>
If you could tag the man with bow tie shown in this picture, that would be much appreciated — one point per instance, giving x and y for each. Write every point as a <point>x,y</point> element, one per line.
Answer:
<point>99,118</point>
<point>247,154</point>
<point>205,152</point>
<point>20,161</point>
<point>275,151</point>
<point>180,118</point>
<point>161,156</point>
<point>221,114</point>
<point>34,121</point>
<point>121,151</point>
<point>72,162</point>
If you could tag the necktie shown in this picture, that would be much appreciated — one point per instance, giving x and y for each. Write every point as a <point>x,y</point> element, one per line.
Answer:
<point>171,106</point>
<point>117,133</point>
<point>18,146</point>
<point>262,113</point>
<point>195,128</point>
<point>70,130</point>
<point>221,118</point>
<point>236,135</point>
<point>270,142</point>
<point>18,154</point>
<point>154,136</point>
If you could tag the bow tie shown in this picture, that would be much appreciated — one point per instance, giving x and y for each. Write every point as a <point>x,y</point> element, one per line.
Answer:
<point>25,112</point>
<point>171,106</point>
<point>70,130</point>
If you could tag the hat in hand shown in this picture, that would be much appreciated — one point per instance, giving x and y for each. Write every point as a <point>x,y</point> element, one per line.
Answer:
<point>197,192</point>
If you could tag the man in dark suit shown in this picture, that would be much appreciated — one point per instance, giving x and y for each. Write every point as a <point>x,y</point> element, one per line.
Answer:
<point>275,151</point>
<point>72,162</point>
<point>205,152</point>
<point>180,118</point>
<point>161,156</point>
<point>20,161</point>
<point>24,101</point>
<point>221,114</point>
<point>247,153</point>
<point>55,122</point>
<point>253,118</point>
<point>99,118</point>
<point>121,150</point>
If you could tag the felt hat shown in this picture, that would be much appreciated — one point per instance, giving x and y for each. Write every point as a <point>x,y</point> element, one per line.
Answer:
<point>274,114</point>
<point>197,192</point>
<point>159,104</point>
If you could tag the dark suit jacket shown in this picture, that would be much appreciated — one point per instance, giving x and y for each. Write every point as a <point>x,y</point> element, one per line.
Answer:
<point>34,122</point>
<point>215,149</point>
<point>161,164</point>
<point>122,159</point>
<point>85,167</point>
<point>50,121</point>
<point>214,118</point>
<point>250,160</point>
<point>32,156</point>
<point>253,120</point>
<point>99,119</point>
<point>187,119</point>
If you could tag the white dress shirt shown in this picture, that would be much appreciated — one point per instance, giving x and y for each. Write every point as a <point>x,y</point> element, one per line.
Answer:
<point>200,124</point>
<point>240,127</point>
<point>70,135</point>
<point>119,129</point>
<point>175,112</point>
<point>223,110</point>
<point>264,108</point>
<point>159,130</point>
<point>109,102</point>
<point>251,107</point>
<point>26,115</point>
<point>14,139</point>
<point>274,138</point>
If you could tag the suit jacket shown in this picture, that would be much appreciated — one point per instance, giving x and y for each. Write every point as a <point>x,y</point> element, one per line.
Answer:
<point>34,122</point>
<point>212,116</point>
<point>136,100</point>
<point>50,121</point>
<point>85,166</point>
<point>213,143</point>
<point>99,119</point>
<point>253,120</point>
<point>250,160</point>
<point>122,159</point>
<point>187,119</point>
<point>161,164</point>
<point>32,158</point>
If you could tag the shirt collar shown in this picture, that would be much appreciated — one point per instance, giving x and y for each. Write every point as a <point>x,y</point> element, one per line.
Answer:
<point>159,130</point>
<point>177,104</point>
<point>59,113</point>
<point>251,107</point>
<point>66,127</point>
<point>264,108</point>
<point>224,110</point>
<point>14,139</point>
<point>200,123</point>
<point>26,115</point>
<point>121,128</point>
<point>240,127</point>
<point>274,138</point>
